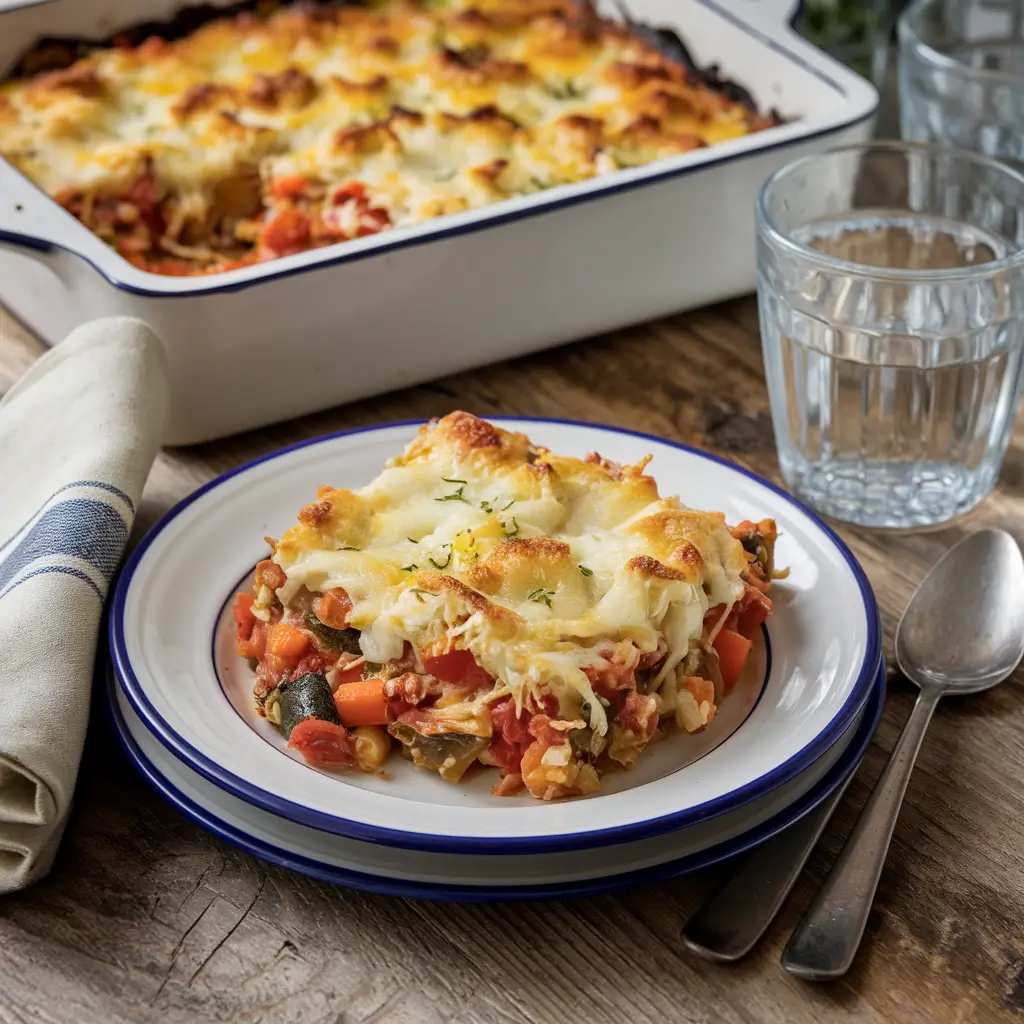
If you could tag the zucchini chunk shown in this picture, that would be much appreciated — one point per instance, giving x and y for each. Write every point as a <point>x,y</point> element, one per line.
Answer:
<point>448,754</point>
<point>344,640</point>
<point>309,696</point>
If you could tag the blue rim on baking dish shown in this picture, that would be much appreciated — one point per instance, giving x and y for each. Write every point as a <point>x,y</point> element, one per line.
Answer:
<point>267,799</point>
<point>562,197</point>
<point>845,765</point>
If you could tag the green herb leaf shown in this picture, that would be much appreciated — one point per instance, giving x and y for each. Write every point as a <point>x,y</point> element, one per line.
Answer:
<point>541,596</point>
<point>351,549</point>
<point>419,592</point>
<point>509,505</point>
<point>586,571</point>
<point>514,532</point>
<point>446,562</point>
<point>411,541</point>
<point>454,496</point>
<point>409,568</point>
<point>450,480</point>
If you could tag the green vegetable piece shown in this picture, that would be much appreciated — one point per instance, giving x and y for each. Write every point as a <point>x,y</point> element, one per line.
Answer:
<point>309,696</point>
<point>346,640</point>
<point>448,754</point>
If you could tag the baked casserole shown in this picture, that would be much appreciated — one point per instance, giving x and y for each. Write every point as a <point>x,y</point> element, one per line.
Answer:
<point>485,601</point>
<point>277,130</point>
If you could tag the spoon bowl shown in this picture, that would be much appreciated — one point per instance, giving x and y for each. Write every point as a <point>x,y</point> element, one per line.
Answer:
<point>963,630</point>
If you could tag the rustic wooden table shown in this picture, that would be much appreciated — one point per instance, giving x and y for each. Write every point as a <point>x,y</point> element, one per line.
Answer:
<point>146,917</point>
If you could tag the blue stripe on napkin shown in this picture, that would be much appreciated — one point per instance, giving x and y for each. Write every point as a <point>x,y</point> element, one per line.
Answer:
<point>79,529</point>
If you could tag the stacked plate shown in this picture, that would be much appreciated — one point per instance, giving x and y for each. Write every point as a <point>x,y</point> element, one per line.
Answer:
<point>794,729</point>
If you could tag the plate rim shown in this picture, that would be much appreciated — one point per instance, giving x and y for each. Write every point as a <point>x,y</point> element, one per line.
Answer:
<point>848,763</point>
<point>238,786</point>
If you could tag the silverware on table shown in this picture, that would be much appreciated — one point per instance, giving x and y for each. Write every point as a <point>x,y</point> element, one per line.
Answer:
<point>962,632</point>
<point>729,925</point>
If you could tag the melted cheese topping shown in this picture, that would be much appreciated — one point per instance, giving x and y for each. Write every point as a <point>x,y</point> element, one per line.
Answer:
<point>182,153</point>
<point>537,563</point>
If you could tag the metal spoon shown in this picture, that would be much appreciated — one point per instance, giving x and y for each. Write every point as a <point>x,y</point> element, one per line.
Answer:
<point>962,632</point>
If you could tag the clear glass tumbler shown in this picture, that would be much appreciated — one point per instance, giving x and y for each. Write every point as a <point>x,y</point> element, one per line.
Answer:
<point>891,295</point>
<point>961,75</point>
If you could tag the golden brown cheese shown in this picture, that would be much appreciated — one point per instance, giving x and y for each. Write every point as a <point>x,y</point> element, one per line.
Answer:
<point>535,562</point>
<point>253,138</point>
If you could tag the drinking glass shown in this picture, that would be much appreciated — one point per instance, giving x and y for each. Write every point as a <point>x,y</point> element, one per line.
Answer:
<point>891,296</point>
<point>962,75</point>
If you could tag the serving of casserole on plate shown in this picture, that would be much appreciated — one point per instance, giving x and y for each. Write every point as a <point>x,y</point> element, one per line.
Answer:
<point>175,631</point>
<point>261,135</point>
<point>487,601</point>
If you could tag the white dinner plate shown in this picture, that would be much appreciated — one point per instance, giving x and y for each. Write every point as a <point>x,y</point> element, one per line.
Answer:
<point>171,645</point>
<point>420,874</point>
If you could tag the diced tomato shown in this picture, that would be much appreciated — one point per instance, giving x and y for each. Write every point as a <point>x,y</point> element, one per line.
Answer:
<point>255,646</point>
<point>292,186</point>
<point>285,233</point>
<point>751,610</point>
<point>511,734</point>
<point>169,267</point>
<point>244,618</point>
<point>353,190</point>
<point>611,679</point>
<point>287,642</point>
<point>311,661</point>
<point>324,744</point>
<point>143,194</point>
<point>371,221</point>
<point>733,650</point>
<point>457,666</point>
<point>333,608</point>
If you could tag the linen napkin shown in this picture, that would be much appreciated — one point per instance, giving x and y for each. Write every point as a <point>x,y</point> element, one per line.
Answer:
<point>78,435</point>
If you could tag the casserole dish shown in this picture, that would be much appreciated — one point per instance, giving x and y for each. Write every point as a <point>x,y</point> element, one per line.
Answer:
<point>268,342</point>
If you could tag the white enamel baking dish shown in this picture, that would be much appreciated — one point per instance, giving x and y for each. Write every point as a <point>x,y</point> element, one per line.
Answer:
<point>269,342</point>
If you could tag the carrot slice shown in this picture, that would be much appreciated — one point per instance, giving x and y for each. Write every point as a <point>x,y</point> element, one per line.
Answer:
<point>288,642</point>
<point>362,703</point>
<point>733,650</point>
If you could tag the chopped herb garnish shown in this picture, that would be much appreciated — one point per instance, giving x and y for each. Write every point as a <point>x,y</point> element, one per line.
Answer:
<point>515,528</point>
<point>540,595</point>
<point>450,480</point>
<point>411,540</point>
<point>351,549</point>
<point>509,505</point>
<point>454,496</point>
<point>566,90</point>
<point>409,568</point>
<point>586,571</point>
<point>419,592</point>
<point>446,562</point>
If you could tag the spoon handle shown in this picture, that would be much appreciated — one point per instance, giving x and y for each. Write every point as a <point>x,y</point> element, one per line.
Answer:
<point>825,941</point>
<point>729,925</point>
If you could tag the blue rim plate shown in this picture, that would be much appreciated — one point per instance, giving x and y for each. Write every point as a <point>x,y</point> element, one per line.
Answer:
<point>168,598</point>
<point>846,764</point>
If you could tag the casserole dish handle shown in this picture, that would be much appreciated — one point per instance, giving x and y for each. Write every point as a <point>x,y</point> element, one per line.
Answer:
<point>33,223</point>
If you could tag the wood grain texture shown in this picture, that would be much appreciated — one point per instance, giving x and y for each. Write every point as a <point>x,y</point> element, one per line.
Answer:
<point>146,917</point>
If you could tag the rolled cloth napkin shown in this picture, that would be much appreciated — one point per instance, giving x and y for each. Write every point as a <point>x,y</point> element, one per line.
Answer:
<point>78,435</point>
